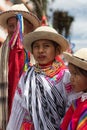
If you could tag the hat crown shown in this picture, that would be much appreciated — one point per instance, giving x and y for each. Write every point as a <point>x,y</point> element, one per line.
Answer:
<point>46,29</point>
<point>82,54</point>
<point>18,7</point>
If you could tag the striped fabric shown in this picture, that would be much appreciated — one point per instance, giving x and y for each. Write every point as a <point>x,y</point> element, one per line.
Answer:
<point>83,120</point>
<point>3,84</point>
<point>76,116</point>
<point>43,100</point>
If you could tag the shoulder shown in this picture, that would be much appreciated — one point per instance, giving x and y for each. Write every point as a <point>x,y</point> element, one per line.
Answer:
<point>66,77</point>
<point>24,78</point>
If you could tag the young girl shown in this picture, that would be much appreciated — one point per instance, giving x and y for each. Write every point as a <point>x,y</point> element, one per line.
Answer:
<point>76,116</point>
<point>41,97</point>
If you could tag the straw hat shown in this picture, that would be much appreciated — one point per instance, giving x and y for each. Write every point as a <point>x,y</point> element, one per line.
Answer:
<point>45,32</point>
<point>15,9</point>
<point>79,58</point>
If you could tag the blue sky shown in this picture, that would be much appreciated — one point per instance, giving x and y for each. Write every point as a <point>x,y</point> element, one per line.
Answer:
<point>77,9</point>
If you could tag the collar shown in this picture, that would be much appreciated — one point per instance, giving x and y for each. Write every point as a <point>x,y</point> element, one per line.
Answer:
<point>84,97</point>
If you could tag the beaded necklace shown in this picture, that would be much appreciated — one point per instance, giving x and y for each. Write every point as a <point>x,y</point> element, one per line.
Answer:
<point>51,69</point>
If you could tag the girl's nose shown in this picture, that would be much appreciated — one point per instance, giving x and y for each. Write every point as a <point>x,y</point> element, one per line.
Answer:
<point>41,49</point>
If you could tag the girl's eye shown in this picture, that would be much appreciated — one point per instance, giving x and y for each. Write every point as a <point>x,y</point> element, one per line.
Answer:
<point>46,45</point>
<point>11,26</point>
<point>35,46</point>
<point>74,73</point>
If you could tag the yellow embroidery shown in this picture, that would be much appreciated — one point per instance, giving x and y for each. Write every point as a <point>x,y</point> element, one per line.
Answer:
<point>49,70</point>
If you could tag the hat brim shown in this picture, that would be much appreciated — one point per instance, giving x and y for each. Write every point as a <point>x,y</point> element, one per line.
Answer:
<point>27,15</point>
<point>75,61</point>
<point>34,36</point>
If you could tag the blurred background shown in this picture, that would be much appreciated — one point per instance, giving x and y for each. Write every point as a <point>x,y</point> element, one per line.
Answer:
<point>67,17</point>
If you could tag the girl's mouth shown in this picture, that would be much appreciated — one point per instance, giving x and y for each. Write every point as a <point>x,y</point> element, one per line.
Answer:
<point>41,57</point>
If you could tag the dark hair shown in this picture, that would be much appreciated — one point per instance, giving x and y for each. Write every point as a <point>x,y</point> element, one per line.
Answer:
<point>79,70</point>
<point>57,46</point>
<point>27,20</point>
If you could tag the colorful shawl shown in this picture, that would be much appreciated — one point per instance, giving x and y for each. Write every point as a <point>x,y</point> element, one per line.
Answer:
<point>76,116</point>
<point>43,101</point>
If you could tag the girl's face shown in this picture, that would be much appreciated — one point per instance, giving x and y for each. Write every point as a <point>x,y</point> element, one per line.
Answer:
<point>43,51</point>
<point>78,80</point>
<point>12,25</point>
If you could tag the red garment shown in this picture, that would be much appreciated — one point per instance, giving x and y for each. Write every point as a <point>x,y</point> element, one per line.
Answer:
<point>59,59</point>
<point>27,126</point>
<point>76,117</point>
<point>16,63</point>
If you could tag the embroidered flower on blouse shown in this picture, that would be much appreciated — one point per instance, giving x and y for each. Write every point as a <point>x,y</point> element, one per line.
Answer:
<point>19,91</point>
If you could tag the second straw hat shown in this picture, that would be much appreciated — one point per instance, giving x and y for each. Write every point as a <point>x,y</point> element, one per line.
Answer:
<point>79,58</point>
<point>15,9</point>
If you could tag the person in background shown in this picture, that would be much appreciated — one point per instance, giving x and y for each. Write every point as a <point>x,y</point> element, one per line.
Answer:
<point>41,96</point>
<point>76,116</point>
<point>14,58</point>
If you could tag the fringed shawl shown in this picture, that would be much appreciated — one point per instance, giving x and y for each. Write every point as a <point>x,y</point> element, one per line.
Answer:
<point>44,103</point>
